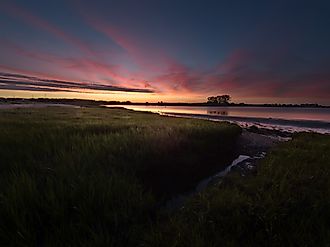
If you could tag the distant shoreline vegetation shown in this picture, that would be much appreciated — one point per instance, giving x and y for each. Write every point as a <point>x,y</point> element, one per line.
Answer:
<point>221,100</point>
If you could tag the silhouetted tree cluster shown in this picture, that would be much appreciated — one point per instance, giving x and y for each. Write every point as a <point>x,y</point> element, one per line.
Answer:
<point>219,100</point>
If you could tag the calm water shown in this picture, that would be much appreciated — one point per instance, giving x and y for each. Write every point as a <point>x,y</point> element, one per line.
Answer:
<point>315,114</point>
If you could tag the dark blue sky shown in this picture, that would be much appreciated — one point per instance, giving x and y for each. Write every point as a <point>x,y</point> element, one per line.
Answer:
<point>256,51</point>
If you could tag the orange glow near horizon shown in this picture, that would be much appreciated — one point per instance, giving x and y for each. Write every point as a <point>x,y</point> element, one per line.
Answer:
<point>113,96</point>
<point>138,97</point>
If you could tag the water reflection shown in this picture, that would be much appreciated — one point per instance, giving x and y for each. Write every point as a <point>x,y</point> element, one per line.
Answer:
<point>222,113</point>
<point>287,113</point>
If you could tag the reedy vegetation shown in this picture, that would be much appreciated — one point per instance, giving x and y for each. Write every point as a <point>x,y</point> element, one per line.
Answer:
<point>96,177</point>
<point>286,203</point>
<point>93,176</point>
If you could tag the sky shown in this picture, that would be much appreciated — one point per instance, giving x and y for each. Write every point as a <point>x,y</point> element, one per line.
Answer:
<point>166,50</point>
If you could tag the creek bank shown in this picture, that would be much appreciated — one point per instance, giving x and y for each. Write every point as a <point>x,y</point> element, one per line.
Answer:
<point>251,148</point>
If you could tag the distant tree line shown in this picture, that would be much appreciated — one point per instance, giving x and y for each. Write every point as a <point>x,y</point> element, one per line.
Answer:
<point>211,101</point>
<point>219,100</point>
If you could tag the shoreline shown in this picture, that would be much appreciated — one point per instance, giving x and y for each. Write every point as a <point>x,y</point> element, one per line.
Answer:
<point>283,127</point>
<point>83,102</point>
<point>267,126</point>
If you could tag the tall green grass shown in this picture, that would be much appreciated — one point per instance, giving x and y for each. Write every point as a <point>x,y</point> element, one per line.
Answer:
<point>95,177</point>
<point>287,203</point>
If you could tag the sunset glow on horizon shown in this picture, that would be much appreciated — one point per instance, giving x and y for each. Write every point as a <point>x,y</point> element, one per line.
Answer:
<point>171,51</point>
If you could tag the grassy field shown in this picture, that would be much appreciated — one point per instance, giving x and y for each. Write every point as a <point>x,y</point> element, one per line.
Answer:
<point>94,177</point>
<point>97,177</point>
<point>286,203</point>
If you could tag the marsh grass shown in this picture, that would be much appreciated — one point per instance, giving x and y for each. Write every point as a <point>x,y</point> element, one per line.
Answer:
<point>93,176</point>
<point>96,177</point>
<point>286,203</point>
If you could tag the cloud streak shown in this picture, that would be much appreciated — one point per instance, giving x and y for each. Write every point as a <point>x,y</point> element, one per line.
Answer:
<point>32,83</point>
<point>86,67</point>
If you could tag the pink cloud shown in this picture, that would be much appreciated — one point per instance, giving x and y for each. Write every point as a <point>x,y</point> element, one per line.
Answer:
<point>90,69</point>
<point>140,51</point>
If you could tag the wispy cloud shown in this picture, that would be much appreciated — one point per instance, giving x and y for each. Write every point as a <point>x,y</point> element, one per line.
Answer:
<point>88,68</point>
<point>32,83</point>
<point>247,74</point>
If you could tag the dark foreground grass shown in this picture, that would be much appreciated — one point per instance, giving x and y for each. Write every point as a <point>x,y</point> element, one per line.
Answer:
<point>95,177</point>
<point>287,203</point>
